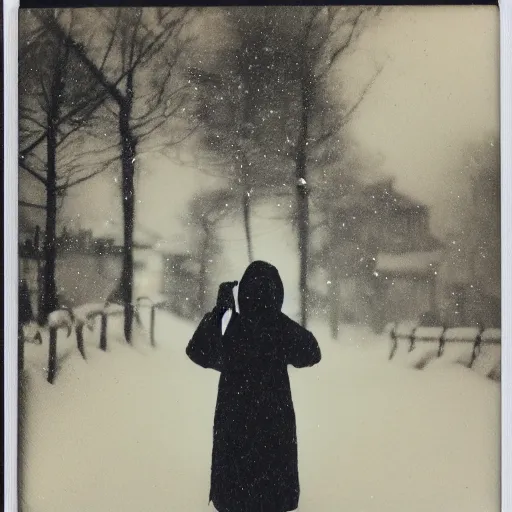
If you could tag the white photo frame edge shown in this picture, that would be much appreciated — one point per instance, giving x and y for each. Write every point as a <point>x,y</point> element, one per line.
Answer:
<point>10,11</point>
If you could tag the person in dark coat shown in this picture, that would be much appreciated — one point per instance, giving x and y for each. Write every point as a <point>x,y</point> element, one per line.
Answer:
<point>254,458</point>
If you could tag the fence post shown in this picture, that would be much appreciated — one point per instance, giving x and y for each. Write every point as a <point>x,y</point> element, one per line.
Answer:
<point>136,314</point>
<point>442,342</point>
<point>477,345</point>
<point>394,339</point>
<point>412,340</point>
<point>52,355</point>
<point>152,325</point>
<point>80,339</point>
<point>152,316</point>
<point>103,332</point>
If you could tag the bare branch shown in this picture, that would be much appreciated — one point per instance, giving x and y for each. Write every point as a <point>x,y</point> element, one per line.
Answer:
<point>31,171</point>
<point>158,119</point>
<point>318,141</point>
<point>86,154</point>
<point>169,144</point>
<point>35,121</point>
<point>135,31</point>
<point>110,43</point>
<point>350,112</point>
<point>80,51</point>
<point>104,168</point>
<point>171,29</point>
<point>349,40</point>
<point>32,205</point>
<point>63,119</point>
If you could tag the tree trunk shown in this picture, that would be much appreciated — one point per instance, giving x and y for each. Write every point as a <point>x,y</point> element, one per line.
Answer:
<point>302,193</point>
<point>334,295</point>
<point>48,300</point>
<point>203,268</point>
<point>246,203</point>
<point>246,206</point>
<point>303,236</point>
<point>246,200</point>
<point>128,152</point>
<point>334,308</point>
<point>333,272</point>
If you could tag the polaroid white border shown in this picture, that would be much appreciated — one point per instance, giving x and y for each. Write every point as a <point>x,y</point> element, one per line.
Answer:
<point>506,249</point>
<point>10,10</point>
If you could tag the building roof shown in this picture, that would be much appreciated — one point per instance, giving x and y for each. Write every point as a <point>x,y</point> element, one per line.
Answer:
<point>380,196</point>
<point>384,192</point>
<point>408,263</point>
<point>113,230</point>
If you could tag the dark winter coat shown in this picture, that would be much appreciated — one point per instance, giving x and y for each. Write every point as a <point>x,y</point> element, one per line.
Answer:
<point>254,459</point>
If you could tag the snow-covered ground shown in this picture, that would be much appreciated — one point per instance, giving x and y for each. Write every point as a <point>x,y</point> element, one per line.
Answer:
<point>130,430</point>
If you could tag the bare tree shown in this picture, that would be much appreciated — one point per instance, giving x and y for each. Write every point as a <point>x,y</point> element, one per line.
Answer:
<point>340,246</point>
<point>58,101</point>
<point>134,55</point>
<point>206,210</point>
<point>285,61</point>
<point>225,137</point>
<point>480,234</point>
<point>325,36</point>
<point>241,111</point>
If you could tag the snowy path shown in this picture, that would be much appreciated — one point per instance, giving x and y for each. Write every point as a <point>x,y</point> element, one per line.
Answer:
<point>130,431</point>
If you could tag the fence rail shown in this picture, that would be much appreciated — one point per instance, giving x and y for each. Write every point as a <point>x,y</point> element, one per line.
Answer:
<point>412,333</point>
<point>84,316</point>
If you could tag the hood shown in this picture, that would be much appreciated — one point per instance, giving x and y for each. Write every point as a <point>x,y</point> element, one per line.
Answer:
<point>260,290</point>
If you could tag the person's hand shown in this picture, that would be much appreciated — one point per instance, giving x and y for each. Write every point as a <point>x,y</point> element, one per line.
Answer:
<point>225,298</point>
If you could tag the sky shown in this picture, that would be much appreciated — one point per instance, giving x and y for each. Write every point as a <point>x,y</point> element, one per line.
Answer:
<point>438,90</point>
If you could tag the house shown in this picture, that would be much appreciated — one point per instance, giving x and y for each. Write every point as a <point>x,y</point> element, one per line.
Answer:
<point>180,278</point>
<point>405,286</point>
<point>384,257</point>
<point>471,286</point>
<point>80,241</point>
<point>88,268</point>
<point>389,221</point>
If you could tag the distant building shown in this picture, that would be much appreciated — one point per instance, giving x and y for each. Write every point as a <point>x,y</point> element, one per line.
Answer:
<point>180,278</point>
<point>390,221</point>
<point>471,288</point>
<point>88,268</point>
<point>389,258</point>
<point>406,286</point>
<point>106,246</point>
<point>81,241</point>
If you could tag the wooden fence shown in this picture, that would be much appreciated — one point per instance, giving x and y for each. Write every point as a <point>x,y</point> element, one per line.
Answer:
<point>81,317</point>
<point>412,333</point>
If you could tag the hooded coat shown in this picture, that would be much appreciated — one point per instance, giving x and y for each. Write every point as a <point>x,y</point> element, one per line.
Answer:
<point>254,458</point>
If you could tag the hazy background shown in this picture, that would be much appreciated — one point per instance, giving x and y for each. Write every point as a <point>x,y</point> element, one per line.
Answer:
<point>432,109</point>
<point>434,101</point>
<point>439,88</point>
